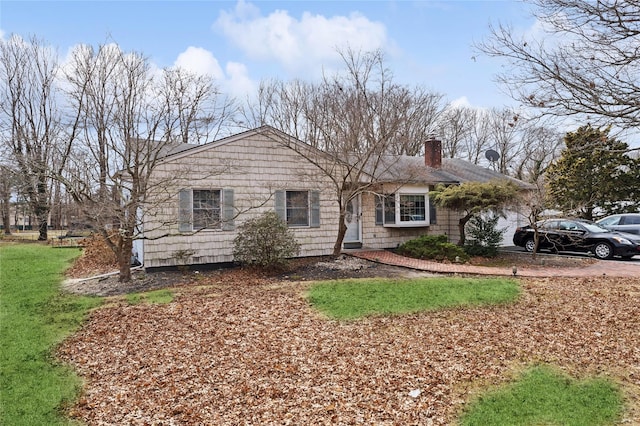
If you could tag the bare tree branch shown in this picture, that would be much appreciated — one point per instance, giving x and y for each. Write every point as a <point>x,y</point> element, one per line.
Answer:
<point>585,64</point>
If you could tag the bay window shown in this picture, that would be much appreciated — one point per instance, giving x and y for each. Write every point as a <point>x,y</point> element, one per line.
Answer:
<point>406,208</point>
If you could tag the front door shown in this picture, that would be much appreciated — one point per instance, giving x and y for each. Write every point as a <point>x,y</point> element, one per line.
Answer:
<point>352,238</point>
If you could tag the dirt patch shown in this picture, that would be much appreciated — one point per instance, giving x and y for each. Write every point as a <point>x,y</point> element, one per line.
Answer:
<point>505,259</point>
<point>303,269</point>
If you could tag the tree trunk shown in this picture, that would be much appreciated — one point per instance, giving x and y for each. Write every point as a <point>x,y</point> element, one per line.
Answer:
<point>56,207</point>
<point>462,239</point>
<point>42,218</point>
<point>461,225</point>
<point>124,259</point>
<point>41,207</point>
<point>43,229</point>
<point>6,213</point>
<point>342,230</point>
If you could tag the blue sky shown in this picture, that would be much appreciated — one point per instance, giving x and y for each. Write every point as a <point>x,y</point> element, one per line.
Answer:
<point>427,43</point>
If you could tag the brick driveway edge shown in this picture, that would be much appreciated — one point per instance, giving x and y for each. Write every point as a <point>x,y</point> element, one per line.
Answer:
<point>599,268</point>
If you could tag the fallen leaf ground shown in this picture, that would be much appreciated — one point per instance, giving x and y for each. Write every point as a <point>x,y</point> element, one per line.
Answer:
<point>234,348</point>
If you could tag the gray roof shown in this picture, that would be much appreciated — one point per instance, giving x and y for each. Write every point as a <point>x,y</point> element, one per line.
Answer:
<point>453,170</point>
<point>403,168</point>
<point>175,149</point>
<point>469,172</point>
<point>406,169</point>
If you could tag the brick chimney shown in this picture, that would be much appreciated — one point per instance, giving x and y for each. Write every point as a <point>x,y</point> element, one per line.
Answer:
<point>433,153</point>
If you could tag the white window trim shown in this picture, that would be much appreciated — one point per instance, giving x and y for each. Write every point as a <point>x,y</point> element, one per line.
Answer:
<point>410,190</point>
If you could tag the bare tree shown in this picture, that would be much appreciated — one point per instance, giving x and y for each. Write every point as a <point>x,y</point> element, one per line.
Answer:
<point>31,119</point>
<point>479,138</point>
<point>534,202</point>
<point>131,118</point>
<point>585,63</point>
<point>504,128</point>
<point>420,110</point>
<point>541,145</point>
<point>7,185</point>
<point>197,111</point>
<point>455,128</point>
<point>351,122</point>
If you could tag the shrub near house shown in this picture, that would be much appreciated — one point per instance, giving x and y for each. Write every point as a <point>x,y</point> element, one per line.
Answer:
<point>433,247</point>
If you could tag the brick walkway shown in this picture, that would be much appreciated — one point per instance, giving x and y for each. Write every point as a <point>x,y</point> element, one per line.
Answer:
<point>611,268</point>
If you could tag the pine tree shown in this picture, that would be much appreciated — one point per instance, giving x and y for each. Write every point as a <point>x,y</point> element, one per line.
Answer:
<point>473,198</point>
<point>594,175</point>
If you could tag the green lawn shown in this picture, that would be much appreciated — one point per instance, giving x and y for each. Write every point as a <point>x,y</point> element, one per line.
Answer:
<point>351,299</point>
<point>543,396</point>
<point>158,297</point>
<point>34,318</point>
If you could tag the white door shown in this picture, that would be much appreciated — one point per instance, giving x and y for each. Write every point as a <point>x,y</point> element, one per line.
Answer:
<point>352,237</point>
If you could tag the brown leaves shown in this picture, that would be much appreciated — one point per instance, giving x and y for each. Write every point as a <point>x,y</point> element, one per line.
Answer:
<point>251,351</point>
<point>96,258</point>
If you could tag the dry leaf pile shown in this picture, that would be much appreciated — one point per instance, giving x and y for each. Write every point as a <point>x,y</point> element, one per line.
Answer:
<point>96,258</point>
<point>240,350</point>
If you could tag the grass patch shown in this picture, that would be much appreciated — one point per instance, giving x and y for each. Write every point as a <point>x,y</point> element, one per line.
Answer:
<point>543,396</point>
<point>34,318</point>
<point>349,299</point>
<point>161,297</point>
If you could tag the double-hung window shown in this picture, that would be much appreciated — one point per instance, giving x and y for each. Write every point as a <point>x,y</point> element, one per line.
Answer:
<point>298,208</point>
<point>205,209</point>
<point>413,207</point>
<point>297,203</point>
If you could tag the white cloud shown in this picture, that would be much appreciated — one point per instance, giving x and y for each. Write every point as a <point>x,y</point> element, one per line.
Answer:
<point>238,83</point>
<point>199,61</point>
<point>298,44</point>
<point>234,79</point>
<point>1,34</point>
<point>461,102</point>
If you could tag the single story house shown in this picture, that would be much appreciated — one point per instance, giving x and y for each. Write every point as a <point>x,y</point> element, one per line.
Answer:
<point>201,194</point>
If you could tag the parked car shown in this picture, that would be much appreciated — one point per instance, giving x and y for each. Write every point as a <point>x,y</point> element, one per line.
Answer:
<point>579,236</point>
<point>624,222</point>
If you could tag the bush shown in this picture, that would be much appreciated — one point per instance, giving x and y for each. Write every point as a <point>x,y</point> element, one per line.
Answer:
<point>432,247</point>
<point>265,242</point>
<point>484,238</point>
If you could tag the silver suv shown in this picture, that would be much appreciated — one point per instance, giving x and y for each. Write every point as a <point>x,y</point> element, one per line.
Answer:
<point>624,222</point>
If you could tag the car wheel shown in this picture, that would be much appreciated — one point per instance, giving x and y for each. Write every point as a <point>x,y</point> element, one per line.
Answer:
<point>529,245</point>
<point>603,251</point>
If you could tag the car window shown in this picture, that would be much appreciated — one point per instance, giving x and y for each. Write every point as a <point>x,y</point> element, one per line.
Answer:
<point>567,225</point>
<point>609,221</point>
<point>632,220</point>
<point>593,227</point>
<point>550,224</point>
